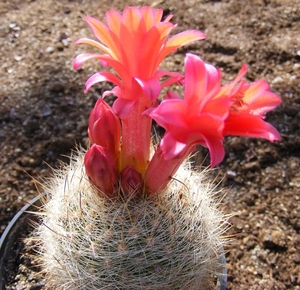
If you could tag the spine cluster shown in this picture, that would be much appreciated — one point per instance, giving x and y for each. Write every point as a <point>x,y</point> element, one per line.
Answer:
<point>170,241</point>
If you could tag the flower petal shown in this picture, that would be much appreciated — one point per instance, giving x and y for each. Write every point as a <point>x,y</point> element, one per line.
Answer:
<point>201,81</point>
<point>171,95</point>
<point>259,99</point>
<point>151,87</point>
<point>170,112</point>
<point>82,58</point>
<point>265,103</point>
<point>151,16</point>
<point>231,88</point>
<point>113,20</point>
<point>179,40</point>
<point>195,79</point>
<point>151,44</point>
<point>216,150</point>
<point>116,91</point>
<point>174,77</point>
<point>101,77</point>
<point>122,107</point>
<point>185,37</point>
<point>102,32</point>
<point>171,147</point>
<point>96,44</point>
<point>249,125</point>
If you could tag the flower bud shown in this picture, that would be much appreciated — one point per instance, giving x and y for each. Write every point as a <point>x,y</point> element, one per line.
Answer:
<point>100,166</point>
<point>131,181</point>
<point>104,127</point>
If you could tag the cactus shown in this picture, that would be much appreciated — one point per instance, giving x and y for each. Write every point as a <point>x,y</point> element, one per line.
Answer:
<point>167,241</point>
<point>113,219</point>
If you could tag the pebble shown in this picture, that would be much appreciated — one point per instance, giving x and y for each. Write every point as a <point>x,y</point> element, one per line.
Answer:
<point>296,258</point>
<point>17,57</point>
<point>50,49</point>
<point>277,80</point>
<point>274,238</point>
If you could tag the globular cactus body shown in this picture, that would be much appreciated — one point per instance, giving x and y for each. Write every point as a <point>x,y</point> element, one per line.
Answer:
<point>170,241</point>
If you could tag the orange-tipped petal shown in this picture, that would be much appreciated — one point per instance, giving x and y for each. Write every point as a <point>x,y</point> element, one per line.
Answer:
<point>150,47</point>
<point>266,102</point>
<point>184,38</point>
<point>179,40</point>
<point>151,16</point>
<point>132,19</point>
<point>113,19</point>
<point>96,44</point>
<point>101,31</point>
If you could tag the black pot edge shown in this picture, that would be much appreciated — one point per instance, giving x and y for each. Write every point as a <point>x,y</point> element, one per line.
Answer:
<point>11,232</point>
<point>222,277</point>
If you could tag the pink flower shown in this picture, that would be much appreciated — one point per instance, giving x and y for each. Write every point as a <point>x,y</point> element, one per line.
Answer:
<point>135,43</point>
<point>196,119</point>
<point>104,127</point>
<point>100,166</point>
<point>204,116</point>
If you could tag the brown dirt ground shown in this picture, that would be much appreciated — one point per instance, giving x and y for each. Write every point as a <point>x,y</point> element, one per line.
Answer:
<point>43,114</point>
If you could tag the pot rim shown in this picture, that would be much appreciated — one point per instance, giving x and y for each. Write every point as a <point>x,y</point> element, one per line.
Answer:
<point>11,232</point>
<point>12,223</point>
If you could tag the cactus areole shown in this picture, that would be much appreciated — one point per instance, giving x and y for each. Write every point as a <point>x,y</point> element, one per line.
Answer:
<point>129,214</point>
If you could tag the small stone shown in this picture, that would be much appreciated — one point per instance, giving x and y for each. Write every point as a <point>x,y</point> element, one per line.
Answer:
<point>12,25</point>
<point>65,42</point>
<point>67,10</point>
<point>277,80</point>
<point>251,165</point>
<point>63,36</point>
<point>17,57</point>
<point>274,239</point>
<point>49,49</point>
<point>296,258</point>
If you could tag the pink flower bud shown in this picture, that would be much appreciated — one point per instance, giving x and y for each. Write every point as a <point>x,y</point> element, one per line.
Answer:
<point>131,181</point>
<point>104,127</point>
<point>100,166</point>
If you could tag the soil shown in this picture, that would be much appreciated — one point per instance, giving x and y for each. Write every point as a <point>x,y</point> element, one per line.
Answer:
<point>44,112</point>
